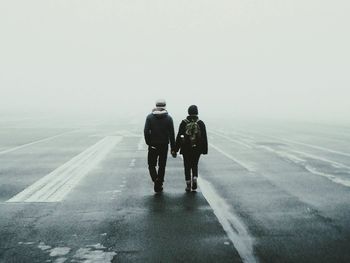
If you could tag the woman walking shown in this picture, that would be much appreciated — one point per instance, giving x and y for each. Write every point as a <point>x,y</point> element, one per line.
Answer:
<point>192,141</point>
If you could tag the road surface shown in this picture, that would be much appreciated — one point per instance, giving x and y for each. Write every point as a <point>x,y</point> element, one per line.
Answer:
<point>82,193</point>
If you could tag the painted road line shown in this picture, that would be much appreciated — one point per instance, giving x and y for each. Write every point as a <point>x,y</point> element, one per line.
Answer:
<point>35,142</point>
<point>232,140</point>
<point>56,185</point>
<point>233,226</point>
<point>303,144</point>
<point>317,147</point>
<point>244,165</point>
<point>313,156</point>
<point>141,144</point>
<point>303,163</point>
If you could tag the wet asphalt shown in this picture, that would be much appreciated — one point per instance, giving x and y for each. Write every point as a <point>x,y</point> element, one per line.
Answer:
<point>283,193</point>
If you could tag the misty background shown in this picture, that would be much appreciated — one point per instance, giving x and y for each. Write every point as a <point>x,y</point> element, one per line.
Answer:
<point>246,59</point>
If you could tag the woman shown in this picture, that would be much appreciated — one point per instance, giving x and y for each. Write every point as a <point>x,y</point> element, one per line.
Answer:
<point>192,141</point>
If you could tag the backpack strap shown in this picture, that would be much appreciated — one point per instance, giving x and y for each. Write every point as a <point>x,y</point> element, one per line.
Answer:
<point>187,121</point>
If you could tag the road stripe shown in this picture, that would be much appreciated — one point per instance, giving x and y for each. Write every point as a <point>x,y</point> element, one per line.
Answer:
<point>35,142</point>
<point>141,144</point>
<point>232,140</point>
<point>316,147</point>
<point>302,143</point>
<point>56,185</point>
<point>234,228</point>
<point>244,165</point>
<point>313,156</point>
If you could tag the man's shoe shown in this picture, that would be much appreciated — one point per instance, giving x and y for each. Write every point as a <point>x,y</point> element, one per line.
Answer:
<point>194,183</point>
<point>188,186</point>
<point>158,186</point>
<point>158,189</point>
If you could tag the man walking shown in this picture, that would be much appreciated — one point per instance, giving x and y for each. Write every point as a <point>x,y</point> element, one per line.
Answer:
<point>158,132</point>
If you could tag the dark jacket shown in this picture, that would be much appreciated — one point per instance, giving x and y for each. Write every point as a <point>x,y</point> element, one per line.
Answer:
<point>159,128</point>
<point>184,145</point>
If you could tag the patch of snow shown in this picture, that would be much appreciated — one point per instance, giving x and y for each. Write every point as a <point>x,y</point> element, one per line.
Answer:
<point>97,246</point>
<point>27,243</point>
<point>94,256</point>
<point>59,251</point>
<point>60,260</point>
<point>43,247</point>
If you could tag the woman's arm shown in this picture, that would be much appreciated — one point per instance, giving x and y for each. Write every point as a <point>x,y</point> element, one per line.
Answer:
<point>178,137</point>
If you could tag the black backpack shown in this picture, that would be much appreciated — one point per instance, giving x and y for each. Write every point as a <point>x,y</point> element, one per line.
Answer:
<point>193,132</point>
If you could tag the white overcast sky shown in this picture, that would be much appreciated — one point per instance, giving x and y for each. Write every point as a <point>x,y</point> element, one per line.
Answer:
<point>248,58</point>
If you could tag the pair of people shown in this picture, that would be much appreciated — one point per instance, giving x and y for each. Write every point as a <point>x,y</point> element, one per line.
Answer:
<point>191,141</point>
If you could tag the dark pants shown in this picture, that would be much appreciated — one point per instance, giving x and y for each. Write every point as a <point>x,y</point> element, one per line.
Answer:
<point>191,160</point>
<point>157,154</point>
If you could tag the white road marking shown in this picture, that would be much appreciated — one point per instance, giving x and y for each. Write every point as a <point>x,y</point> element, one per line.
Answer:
<point>232,225</point>
<point>132,163</point>
<point>244,165</point>
<point>35,142</point>
<point>335,164</point>
<point>304,144</point>
<point>317,147</point>
<point>309,168</point>
<point>232,140</point>
<point>56,185</point>
<point>300,161</point>
<point>331,177</point>
<point>122,133</point>
<point>141,144</point>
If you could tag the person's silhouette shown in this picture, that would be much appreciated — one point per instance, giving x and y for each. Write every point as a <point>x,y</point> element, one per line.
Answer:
<point>192,141</point>
<point>158,132</point>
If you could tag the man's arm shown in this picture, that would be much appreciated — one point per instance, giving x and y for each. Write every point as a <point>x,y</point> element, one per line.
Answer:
<point>147,131</point>
<point>171,133</point>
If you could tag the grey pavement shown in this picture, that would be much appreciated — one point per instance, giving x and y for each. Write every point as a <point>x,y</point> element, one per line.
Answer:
<point>266,195</point>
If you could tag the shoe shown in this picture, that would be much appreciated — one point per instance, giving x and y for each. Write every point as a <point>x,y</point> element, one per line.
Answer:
<point>194,183</point>
<point>158,186</point>
<point>188,186</point>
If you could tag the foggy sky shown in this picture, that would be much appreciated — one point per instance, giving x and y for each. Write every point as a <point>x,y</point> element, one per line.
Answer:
<point>243,58</point>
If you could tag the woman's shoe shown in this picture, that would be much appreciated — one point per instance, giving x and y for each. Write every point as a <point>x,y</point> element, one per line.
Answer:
<point>194,183</point>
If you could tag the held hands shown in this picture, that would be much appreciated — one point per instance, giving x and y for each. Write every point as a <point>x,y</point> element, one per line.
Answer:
<point>173,154</point>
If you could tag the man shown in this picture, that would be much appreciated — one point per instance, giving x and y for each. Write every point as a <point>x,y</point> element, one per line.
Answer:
<point>158,131</point>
